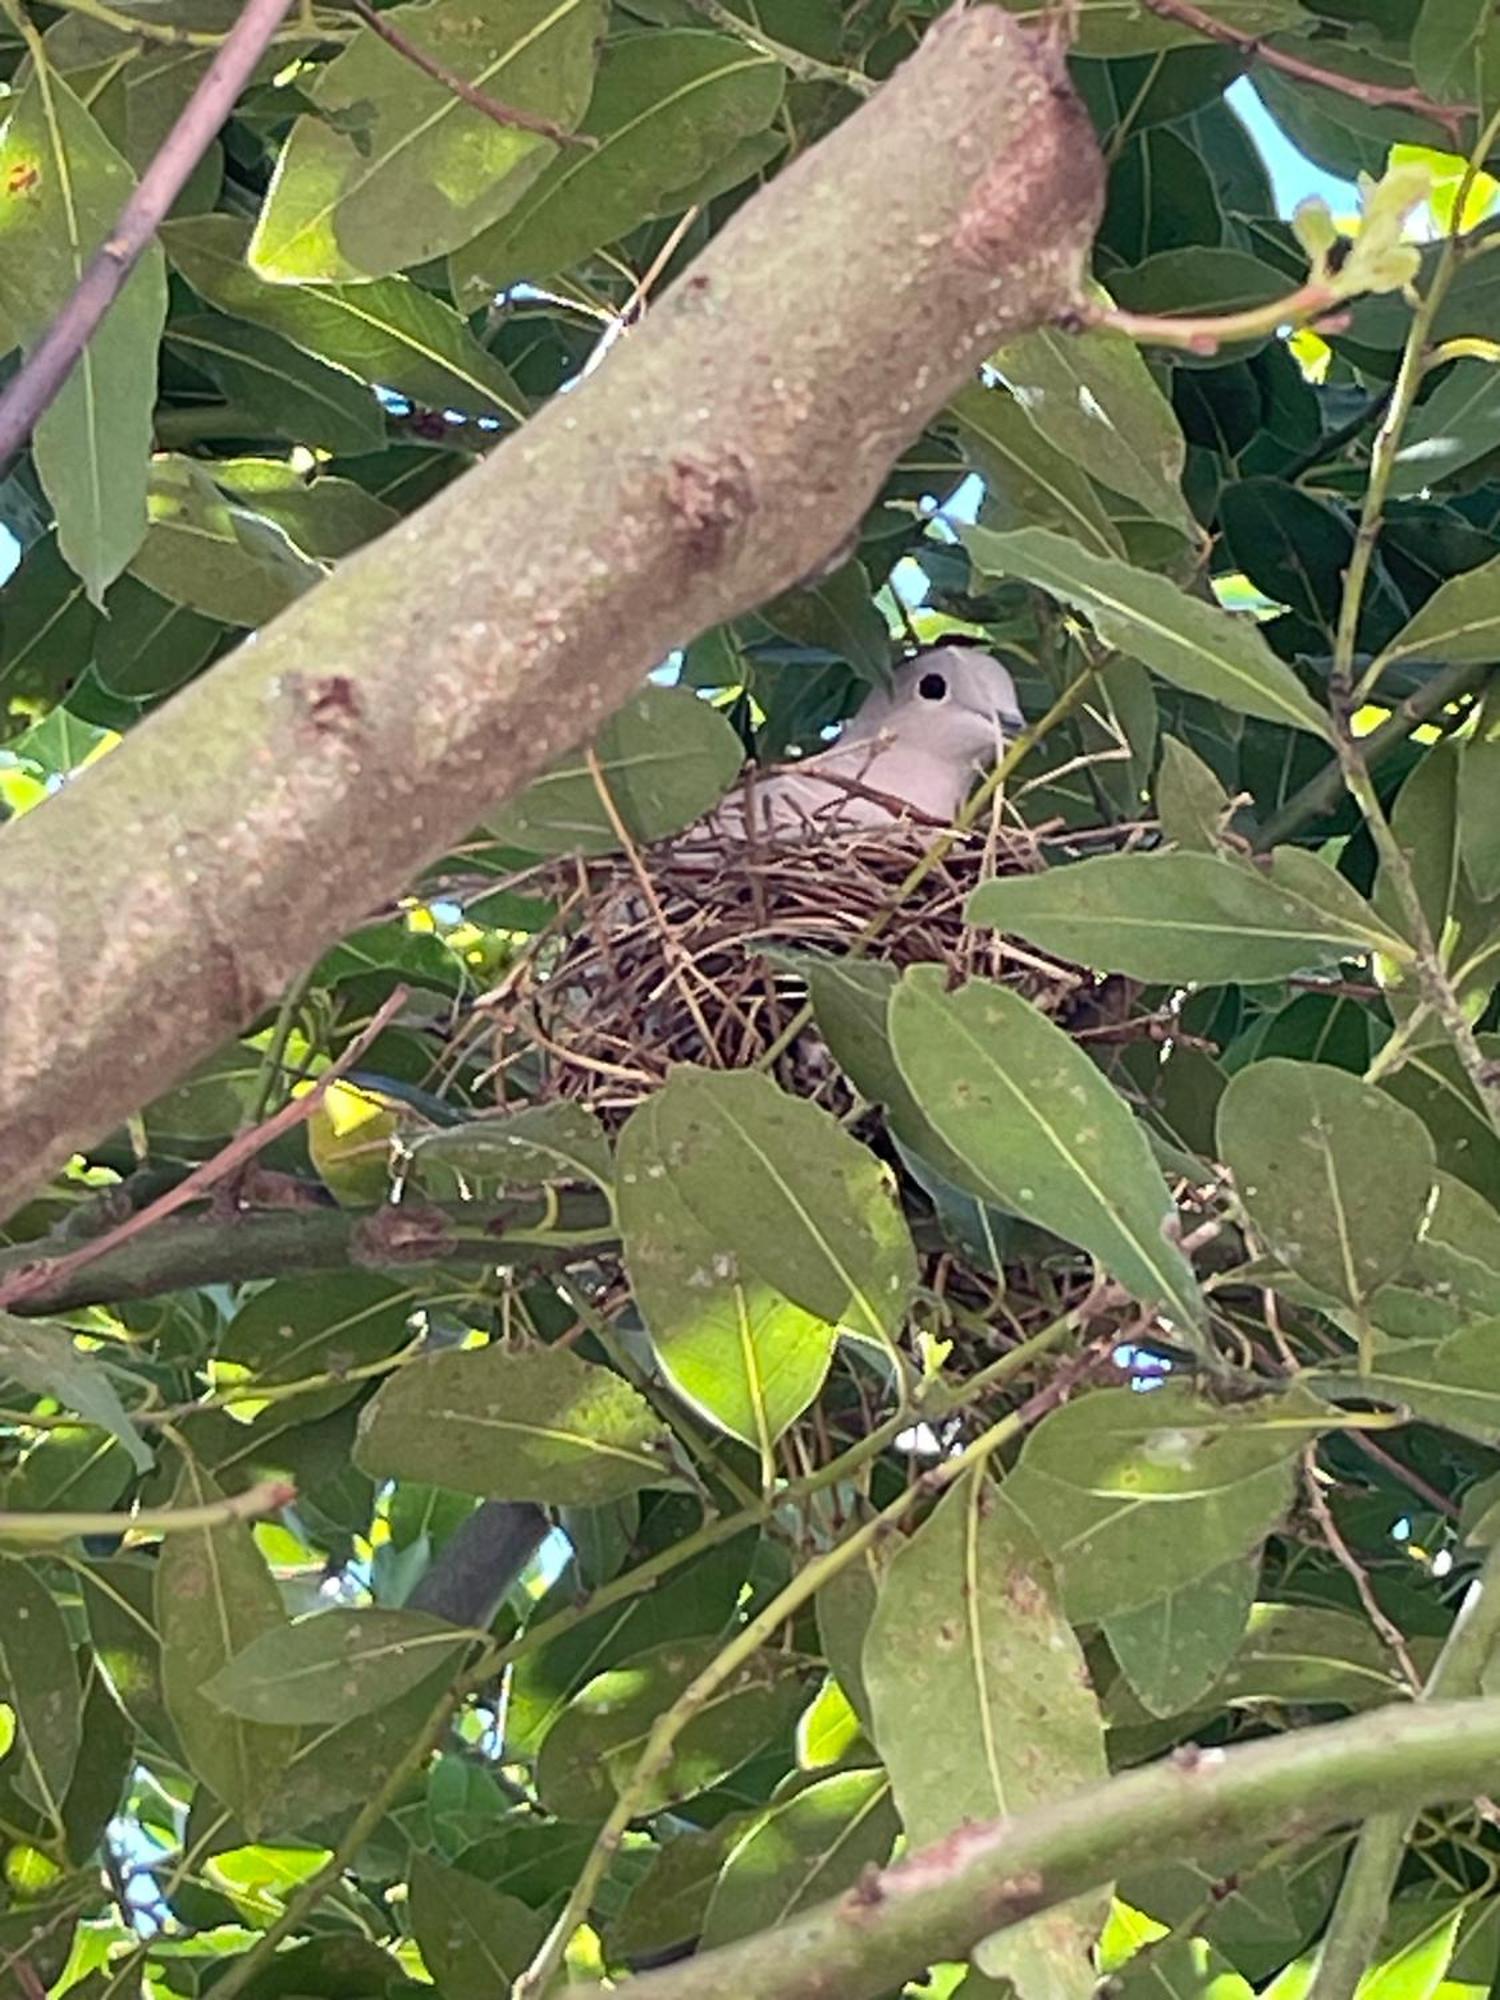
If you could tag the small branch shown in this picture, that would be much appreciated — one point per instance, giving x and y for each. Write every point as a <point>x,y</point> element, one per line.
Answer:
<point>940,1903</point>
<point>502,114</point>
<point>265,1498</point>
<point>1322,1513</point>
<point>1391,97</point>
<point>167,35</point>
<point>32,1278</point>
<point>33,387</point>
<point>272,1243</point>
<point>1358,1919</point>
<point>806,68</point>
<point>1207,333</point>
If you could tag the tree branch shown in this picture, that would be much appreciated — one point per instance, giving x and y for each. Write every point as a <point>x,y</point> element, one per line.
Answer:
<point>1391,97</point>
<point>37,381</point>
<point>210,1249</point>
<point>170,892</point>
<point>941,1903</point>
<point>502,114</point>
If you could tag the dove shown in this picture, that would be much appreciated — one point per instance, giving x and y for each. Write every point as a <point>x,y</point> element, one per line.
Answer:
<point>913,750</point>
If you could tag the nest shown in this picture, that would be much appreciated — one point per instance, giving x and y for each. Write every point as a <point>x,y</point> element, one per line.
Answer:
<point>685,953</point>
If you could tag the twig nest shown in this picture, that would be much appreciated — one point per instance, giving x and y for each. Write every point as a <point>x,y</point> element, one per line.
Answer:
<point>687,953</point>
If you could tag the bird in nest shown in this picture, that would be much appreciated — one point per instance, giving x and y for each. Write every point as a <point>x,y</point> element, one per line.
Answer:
<point>913,749</point>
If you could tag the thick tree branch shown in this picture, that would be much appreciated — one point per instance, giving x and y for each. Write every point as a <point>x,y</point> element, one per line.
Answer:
<point>942,1902</point>
<point>169,893</point>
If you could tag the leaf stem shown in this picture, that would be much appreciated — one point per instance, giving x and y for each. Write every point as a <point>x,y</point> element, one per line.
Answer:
<point>805,68</point>
<point>264,1498</point>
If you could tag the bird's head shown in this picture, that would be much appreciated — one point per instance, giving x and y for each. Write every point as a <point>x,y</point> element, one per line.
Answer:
<point>957,700</point>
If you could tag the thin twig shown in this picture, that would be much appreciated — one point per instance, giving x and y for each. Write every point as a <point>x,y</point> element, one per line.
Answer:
<point>35,385</point>
<point>1206,333</point>
<point>1392,97</point>
<point>502,114</point>
<point>806,68</point>
<point>1345,1557</point>
<point>264,1498</point>
<point>50,1271</point>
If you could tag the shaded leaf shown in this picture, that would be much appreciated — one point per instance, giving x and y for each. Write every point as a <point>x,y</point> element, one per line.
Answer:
<point>1335,1174</point>
<point>220,560</point>
<point>666,1908</point>
<point>1135,1496</point>
<point>1039,1130</point>
<point>1454,1383</point>
<point>117,1597</point>
<point>396,168</point>
<point>333,1664</point>
<point>1194,645</point>
<point>295,395</point>
<point>665,108</point>
<point>106,1757</point>
<point>534,1424</point>
<point>298,1329</point>
<point>666,757</point>
<point>1028,479</point>
<point>474,1939</point>
<point>533,1147</point>
<point>968,1630</point>
<point>1188,917</point>
<point>810,1847</point>
<point>71,1470</point>
<point>1460,621</point>
<point>1174,1649</point>
<point>43,1359</point>
<point>392,333</point>
<point>40,1681</point>
<point>1192,805</point>
<point>1457,424</point>
<point>214,1595</point>
<point>594,1749</point>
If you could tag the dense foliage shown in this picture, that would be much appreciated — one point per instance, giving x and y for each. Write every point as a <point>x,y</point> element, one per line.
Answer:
<point>925,1430</point>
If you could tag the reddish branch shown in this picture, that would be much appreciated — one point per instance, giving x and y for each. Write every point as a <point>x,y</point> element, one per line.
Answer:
<point>36,383</point>
<point>503,114</point>
<point>1387,96</point>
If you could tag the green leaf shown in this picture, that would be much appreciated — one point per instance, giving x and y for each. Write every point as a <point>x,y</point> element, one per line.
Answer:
<point>1454,1383</point>
<point>117,1597</point>
<point>217,559</point>
<point>1029,481</point>
<point>70,1470</point>
<point>46,636</point>
<point>538,1424</point>
<point>1095,402</point>
<point>835,613</point>
<point>1432,1083</point>
<point>1311,1653</point>
<point>1188,917</point>
<point>325,518</point>
<point>1191,804</point>
<point>1174,1649</point>
<point>392,333</point>
<point>1459,622</point>
<point>594,1749</point>
<point>396,169</point>
<point>214,1594</point>
<point>1135,1496</point>
<point>983,1708</point>
<point>43,1359</point>
<point>295,396</point>
<point>817,1216</point>
<point>106,1757</point>
<point>1290,545</point>
<point>1193,645</point>
<point>1039,1130</point>
<point>1122,28</point>
<point>1457,424</point>
<point>667,757</point>
<point>324,1667</point>
<point>666,107</point>
<point>298,1328</point>
<point>1334,1173</point>
<point>534,1147</point>
<point>147,646</point>
<point>667,1905</point>
<point>65,187</point>
<point>812,1846</point>
<point>1455,53</point>
<point>1479,813</point>
<point>40,1681</point>
<point>474,1939</point>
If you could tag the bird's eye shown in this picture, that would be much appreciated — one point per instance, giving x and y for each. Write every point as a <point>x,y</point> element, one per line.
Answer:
<point>932,687</point>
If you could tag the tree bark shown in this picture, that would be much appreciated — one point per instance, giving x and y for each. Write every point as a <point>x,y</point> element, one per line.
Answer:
<point>161,900</point>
